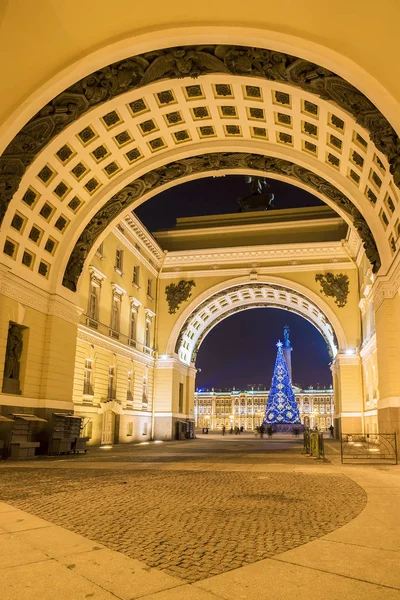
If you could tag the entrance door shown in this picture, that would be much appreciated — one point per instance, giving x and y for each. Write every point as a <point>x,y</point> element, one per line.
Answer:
<point>107,434</point>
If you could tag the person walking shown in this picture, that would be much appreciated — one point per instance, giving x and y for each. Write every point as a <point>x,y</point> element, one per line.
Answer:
<point>331,430</point>
<point>223,429</point>
<point>262,429</point>
<point>270,431</point>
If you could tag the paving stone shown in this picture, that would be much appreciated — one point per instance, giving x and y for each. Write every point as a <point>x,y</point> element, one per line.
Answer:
<point>189,524</point>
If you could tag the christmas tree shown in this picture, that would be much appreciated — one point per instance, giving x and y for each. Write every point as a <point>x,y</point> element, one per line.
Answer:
<point>281,406</point>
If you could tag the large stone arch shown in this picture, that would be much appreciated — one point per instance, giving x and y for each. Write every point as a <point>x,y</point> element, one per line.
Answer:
<point>336,167</point>
<point>225,299</point>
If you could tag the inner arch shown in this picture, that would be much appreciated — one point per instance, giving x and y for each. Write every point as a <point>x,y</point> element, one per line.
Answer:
<point>189,334</point>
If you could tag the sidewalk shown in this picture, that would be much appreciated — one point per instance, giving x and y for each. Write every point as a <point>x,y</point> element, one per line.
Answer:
<point>41,561</point>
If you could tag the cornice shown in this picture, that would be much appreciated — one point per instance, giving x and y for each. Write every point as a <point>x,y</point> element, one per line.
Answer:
<point>289,267</point>
<point>174,363</point>
<point>29,295</point>
<point>136,228</point>
<point>320,250</point>
<point>131,247</point>
<point>386,286</point>
<point>368,347</point>
<point>347,359</point>
<point>101,341</point>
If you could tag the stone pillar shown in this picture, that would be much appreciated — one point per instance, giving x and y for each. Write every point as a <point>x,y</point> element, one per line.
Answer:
<point>387,322</point>
<point>287,353</point>
<point>348,393</point>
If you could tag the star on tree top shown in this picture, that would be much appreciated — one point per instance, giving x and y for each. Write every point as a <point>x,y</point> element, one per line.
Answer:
<point>279,344</point>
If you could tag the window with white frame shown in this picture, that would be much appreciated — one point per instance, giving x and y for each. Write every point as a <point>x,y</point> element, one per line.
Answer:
<point>144,392</point>
<point>88,377</point>
<point>147,334</point>
<point>115,312</point>
<point>119,256</point>
<point>132,325</point>
<point>93,310</point>
<point>136,275</point>
<point>100,251</point>
<point>111,392</point>
<point>129,428</point>
<point>130,383</point>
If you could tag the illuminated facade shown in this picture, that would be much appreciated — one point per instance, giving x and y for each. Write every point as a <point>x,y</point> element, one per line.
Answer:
<point>247,408</point>
<point>107,117</point>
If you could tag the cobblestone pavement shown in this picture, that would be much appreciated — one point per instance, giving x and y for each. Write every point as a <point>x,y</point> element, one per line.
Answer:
<point>192,524</point>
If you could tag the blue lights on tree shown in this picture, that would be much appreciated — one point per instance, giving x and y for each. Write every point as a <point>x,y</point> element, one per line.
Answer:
<point>281,405</point>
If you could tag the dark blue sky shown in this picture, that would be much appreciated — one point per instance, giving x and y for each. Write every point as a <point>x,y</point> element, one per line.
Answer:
<point>213,196</point>
<point>241,349</point>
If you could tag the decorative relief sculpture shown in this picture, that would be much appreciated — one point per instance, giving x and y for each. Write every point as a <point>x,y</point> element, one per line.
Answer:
<point>178,293</point>
<point>210,162</point>
<point>188,61</point>
<point>12,361</point>
<point>336,286</point>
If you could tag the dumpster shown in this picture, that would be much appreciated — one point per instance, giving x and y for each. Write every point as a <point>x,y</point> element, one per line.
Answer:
<point>20,443</point>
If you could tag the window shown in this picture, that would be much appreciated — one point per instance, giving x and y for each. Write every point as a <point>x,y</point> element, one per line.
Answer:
<point>180,410</point>
<point>111,383</point>
<point>147,340</point>
<point>132,326</point>
<point>149,287</point>
<point>93,310</point>
<point>129,390</point>
<point>88,377</point>
<point>136,275</point>
<point>129,429</point>
<point>100,251</point>
<point>144,393</point>
<point>119,254</point>
<point>115,313</point>
<point>145,428</point>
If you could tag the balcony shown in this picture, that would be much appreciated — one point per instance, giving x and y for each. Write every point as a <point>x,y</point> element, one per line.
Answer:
<point>107,331</point>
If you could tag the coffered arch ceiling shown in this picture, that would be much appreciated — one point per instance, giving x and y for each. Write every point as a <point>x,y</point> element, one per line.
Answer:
<point>204,315</point>
<point>130,129</point>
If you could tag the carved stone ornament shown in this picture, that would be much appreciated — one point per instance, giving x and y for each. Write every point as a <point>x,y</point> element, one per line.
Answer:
<point>336,286</point>
<point>178,293</point>
<point>189,61</point>
<point>200,164</point>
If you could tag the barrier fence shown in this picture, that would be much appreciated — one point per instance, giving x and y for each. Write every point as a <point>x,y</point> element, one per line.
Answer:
<point>314,445</point>
<point>369,448</point>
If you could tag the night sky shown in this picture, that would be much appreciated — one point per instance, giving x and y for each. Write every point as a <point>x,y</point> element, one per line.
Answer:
<point>240,351</point>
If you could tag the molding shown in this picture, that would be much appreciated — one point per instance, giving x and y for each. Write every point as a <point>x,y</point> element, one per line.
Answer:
<point>139,231</point>
<point>352,360</point>
<point>386,286</point>
<point>61,308</point>
<point>368,347</point>
<point>135,304</point>
<point>131,247</point>
<point>215,271</point>
<point>349,414</point>
<point>118,290</point>
<point>389,402</point>
<point>24,401</point>
<point>318,250</point>
<point>175,363</point>
<point>96,275</point>
<point>113,346</point>
<point>371,413</point>
<point>30,296</point>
